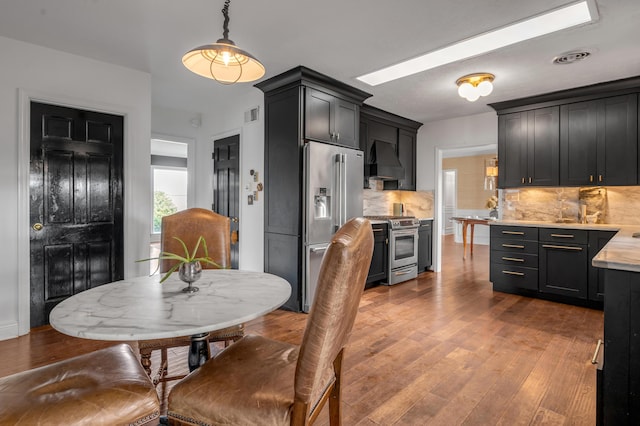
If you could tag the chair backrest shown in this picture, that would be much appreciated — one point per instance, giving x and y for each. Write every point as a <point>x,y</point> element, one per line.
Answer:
<point>189,225</point>
<point>341,282</point>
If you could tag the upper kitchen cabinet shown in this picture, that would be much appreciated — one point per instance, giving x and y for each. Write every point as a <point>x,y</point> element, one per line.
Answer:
<point>331,119</point>
<point>576,137</point>
<point>389,145</point>
<point>528,148</point>
<point>598,142</point>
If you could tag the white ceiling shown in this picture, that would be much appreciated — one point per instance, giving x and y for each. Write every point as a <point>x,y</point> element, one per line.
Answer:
<point>340,38</point>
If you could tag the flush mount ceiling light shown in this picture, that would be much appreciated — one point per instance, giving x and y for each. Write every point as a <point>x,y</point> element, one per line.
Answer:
<point>565,17</point>
<point>223,61</point>
<point>473,86</point>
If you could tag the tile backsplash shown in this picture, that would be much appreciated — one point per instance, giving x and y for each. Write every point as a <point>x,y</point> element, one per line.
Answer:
<point>618,205</point>
<point>416,203</point>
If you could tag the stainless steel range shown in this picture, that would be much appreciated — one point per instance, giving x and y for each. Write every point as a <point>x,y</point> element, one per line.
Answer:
<point>403,248</point>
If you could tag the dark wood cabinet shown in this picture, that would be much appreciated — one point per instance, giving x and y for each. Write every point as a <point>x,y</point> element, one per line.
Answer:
<point>598,142</point>
<point>400,132</point>
<point>547,262</point>
<point>596,137</point>
<point>407,157</point>
<point>300,103</point>
<point>597,241</point>
<point>621,369</point>
<point>513,258</point>
<point>528,148</point>
<point>563,262</point>
<point>331,119</point>
<point>380,260</point>
<point>425,245</point>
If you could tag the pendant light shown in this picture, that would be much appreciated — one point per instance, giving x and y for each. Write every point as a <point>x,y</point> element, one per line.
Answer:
<point>223,61</point>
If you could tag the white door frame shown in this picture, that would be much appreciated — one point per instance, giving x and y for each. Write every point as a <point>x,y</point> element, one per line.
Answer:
<point>131,231</point>
<point>441,152</point>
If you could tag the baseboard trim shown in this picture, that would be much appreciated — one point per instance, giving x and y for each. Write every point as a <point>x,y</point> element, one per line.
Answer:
<point>8,331</point>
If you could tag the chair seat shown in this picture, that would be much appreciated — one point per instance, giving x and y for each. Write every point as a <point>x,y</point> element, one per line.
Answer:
<point>262,393</point>
<point>106,387</point>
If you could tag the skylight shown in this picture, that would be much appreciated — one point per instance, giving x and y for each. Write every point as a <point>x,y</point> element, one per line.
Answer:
<point>546,23</point>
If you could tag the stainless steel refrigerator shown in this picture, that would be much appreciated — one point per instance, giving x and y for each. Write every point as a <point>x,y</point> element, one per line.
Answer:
<point>332,195</point>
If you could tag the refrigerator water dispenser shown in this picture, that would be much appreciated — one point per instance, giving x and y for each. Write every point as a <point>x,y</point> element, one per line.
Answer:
<point>322,204</point>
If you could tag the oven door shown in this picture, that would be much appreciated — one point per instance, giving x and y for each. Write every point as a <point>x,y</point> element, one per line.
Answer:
<point>403,248</point>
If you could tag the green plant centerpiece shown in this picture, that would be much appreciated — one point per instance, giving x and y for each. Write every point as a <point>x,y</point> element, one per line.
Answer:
<point>189,266</point>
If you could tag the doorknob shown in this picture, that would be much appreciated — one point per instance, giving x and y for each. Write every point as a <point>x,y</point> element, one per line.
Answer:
<point>37,226</point>
<point>234,219</point>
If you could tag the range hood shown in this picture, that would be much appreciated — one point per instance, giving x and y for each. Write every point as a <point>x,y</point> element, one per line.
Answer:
<point>384,163</point>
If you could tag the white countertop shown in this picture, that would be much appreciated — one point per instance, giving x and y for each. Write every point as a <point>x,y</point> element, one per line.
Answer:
<point>565,225</point>
<point>622,252</point>
<point>141,308</point>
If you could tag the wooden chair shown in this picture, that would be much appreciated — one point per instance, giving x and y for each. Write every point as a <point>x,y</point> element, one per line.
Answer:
<point>105,387</point>
<point>259,381</point>
<point>189,225</point>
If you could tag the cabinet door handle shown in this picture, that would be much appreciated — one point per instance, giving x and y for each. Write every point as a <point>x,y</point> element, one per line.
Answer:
<point>563,235</point>
<point>529,179</point>
<point>522,180</point>
<point>590,178</point>
<point>599,178</point>
<point>513,246</point>
<point>551,246</point>
<point>594,360</point>
<point>338,136</point>
<point>378,230</point>
<point>513,232</point>
<point>513,259</point>
<point>519,274</point>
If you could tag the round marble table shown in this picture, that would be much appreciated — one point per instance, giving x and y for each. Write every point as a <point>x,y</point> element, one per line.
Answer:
<point>143,309</point>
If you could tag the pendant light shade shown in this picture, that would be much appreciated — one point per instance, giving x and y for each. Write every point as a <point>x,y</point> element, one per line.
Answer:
<point>223,61</point>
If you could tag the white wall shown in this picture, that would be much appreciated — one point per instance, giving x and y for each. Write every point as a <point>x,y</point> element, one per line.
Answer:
<point>34,72</point>
<point>438,136</point>
<point>220,121</point>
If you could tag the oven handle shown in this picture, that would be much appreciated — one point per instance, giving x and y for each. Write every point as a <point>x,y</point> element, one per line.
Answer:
<point>404,232</point>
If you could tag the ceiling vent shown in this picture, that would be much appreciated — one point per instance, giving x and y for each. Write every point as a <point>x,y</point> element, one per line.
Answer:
<point>571,57</point>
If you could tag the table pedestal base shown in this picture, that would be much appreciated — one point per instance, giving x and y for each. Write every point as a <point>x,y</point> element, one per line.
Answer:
<point>199,351</point>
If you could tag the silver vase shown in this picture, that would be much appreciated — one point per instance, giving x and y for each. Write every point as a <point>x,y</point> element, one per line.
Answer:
<point>189,273</point>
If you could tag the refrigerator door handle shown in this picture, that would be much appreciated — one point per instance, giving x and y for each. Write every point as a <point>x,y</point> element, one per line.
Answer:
<point>338,192</point>
<point>343,191</point>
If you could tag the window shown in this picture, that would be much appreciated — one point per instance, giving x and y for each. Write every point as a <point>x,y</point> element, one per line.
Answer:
<point>170,184</point>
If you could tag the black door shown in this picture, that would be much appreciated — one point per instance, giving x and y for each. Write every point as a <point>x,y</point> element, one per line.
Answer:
<point>226,186</point>
<point>76,207</point>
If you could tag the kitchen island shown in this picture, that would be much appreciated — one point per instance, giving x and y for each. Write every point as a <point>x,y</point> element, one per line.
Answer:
<point>619,383</point>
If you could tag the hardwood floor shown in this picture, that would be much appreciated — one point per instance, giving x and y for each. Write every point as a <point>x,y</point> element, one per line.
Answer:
<point>443,349</point>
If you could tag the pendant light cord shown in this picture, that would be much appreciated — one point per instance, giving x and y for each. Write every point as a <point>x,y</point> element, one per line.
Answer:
<point>225,12</point>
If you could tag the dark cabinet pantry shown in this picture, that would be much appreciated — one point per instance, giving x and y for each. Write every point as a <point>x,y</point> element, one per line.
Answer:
<point>299,104</point>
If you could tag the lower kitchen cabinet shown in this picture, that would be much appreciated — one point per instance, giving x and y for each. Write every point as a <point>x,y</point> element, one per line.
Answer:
<point>514,258</point>
<point>621,366</point>
<point>563,262</point>
<point>425,243</point>
<point>547,262</point>
<point>380,260</point>
<point>597,240</point>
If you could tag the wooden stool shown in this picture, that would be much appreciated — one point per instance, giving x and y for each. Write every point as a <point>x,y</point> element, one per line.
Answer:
<point>105,387</point>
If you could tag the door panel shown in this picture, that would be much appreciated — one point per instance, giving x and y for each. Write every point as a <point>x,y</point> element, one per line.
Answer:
<point>226,190</point>
<point>76,204</point>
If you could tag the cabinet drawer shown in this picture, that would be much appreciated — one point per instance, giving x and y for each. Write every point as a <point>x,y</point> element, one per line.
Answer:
<point>515,276</point>
<point>514,232</point>
<point>514,245</point>
<point>514,259</point>
<point>561,235</point>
